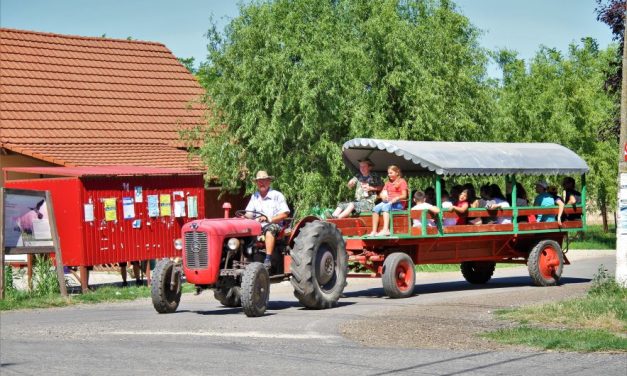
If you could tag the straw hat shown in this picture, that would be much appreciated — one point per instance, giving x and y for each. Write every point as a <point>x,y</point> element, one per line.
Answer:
<point>262,175</point>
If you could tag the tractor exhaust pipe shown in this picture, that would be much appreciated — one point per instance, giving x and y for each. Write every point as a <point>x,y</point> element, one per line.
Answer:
<point>227,208</point>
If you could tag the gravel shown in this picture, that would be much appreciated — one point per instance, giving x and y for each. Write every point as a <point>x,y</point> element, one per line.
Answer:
<point>452,323</point>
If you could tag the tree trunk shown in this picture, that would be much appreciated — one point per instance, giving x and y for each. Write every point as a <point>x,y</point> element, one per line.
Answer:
<point>604,217</point>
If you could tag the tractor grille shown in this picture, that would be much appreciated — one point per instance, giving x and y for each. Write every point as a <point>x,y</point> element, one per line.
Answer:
<point>196,252</point>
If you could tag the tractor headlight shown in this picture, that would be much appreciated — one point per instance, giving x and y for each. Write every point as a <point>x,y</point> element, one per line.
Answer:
<point>178,244</point>
<point>233,244</point>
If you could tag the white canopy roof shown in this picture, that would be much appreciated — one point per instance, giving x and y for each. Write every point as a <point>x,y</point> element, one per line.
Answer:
<point>464,158</point>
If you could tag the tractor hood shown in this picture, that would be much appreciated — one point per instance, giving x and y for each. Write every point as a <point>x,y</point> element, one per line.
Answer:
<point>236,227</point>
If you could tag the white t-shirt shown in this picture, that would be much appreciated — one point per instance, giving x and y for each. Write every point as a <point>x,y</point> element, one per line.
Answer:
<point>502,204</point>
<point>274,203</point>
<point>423,206</point>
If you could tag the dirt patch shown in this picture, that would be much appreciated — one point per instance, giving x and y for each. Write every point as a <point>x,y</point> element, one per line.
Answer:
<point>452,324</point>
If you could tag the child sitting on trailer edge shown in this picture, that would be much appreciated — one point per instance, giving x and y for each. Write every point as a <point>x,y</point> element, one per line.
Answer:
<point>392,195</point>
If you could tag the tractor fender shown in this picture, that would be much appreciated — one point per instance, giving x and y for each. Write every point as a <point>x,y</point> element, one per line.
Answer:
<point>299,225</point>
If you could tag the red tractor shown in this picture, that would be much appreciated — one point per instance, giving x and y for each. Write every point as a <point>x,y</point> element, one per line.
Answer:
<point>226,255</point>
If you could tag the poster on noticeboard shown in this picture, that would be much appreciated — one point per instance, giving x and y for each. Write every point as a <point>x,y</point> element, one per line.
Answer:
<point>27,227</point>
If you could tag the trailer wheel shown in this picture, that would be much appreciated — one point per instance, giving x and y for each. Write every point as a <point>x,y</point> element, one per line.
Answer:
<point>477,272</point>
<point>319,265</point>
<point>545,263</point>
<point>255,289</point>
<point>399,275</point>
<point>165,294</point>
<point>228,296</point>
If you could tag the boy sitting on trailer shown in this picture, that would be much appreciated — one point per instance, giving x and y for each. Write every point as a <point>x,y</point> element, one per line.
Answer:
<point>419,198</point>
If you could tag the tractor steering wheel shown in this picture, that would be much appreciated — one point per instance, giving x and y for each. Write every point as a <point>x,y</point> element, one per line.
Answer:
<point>256,214</point>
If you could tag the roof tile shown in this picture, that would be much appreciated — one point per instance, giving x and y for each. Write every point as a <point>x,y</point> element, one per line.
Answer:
<point>81,101</point>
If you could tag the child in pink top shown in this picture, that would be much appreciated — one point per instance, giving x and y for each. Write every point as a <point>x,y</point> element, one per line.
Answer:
<point>393,193</point>
<point>461,207</point>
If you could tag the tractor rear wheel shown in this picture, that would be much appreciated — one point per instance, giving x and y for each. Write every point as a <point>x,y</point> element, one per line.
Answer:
<point>228,296</point>
<point>319,265</point>
<point>399,275</point>
<point>165,290</point>
<point>545,263</point>
<point>478,272</point>
<point>255,289</point>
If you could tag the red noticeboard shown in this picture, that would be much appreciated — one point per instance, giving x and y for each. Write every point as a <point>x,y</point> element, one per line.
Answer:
<point>103,212</point>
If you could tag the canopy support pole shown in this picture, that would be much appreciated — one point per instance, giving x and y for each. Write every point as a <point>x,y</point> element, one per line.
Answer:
<point>584,194</point>
<point>438,202</point>
<point>512,181</point>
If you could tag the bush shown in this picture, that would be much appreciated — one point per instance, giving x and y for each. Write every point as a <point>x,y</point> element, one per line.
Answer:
<point>45,279</point>
<point>604,284</point>
<point>9,287</point>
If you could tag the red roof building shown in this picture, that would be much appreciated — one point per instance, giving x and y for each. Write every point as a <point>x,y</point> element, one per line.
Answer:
<point>84,101</point>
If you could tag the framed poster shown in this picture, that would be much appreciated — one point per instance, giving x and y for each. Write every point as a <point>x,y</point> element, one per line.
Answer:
<point>26,224</point>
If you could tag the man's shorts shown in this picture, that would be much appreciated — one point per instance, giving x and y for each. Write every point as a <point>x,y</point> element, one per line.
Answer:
<point>273,228</point>
<point>360,206</point>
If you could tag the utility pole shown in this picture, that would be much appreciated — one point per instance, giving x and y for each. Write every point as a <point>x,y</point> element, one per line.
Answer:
<point>621,228</point>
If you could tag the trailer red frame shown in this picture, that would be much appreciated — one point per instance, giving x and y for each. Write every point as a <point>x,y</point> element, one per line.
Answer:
<point>85,243</point>
<point>476,247</point>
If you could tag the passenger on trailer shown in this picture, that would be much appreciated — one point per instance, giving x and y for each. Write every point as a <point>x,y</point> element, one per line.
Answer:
<point>421,204</point>
<point>392,196</point>
<point>461,208</point>
<point>544,198</point>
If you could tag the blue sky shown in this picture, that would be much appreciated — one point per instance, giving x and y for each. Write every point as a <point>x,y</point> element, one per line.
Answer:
<point>520,25</point>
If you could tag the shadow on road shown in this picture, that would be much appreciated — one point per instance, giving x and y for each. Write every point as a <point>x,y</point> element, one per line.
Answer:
<point>431,288</point>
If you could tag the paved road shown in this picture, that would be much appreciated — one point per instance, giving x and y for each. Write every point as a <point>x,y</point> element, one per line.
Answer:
<point>203,338</point>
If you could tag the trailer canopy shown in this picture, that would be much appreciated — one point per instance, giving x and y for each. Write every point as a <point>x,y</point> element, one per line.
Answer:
<point>463,158</point>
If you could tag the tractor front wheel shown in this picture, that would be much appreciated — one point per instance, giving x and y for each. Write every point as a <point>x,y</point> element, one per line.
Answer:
<point>166,287</point>
<point>545,263</point>
<point>477,272</point>
<point>255,289</point>
<point>319,265</point>
<point>399,275</point>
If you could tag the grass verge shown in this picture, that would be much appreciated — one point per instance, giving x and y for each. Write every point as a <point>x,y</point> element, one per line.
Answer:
<point>596,322</point>
<point>17,299</point>
<point>594,238</point>
<point>582,340</point>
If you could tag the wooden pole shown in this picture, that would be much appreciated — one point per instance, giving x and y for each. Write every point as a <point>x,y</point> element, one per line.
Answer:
<point>84,274</point>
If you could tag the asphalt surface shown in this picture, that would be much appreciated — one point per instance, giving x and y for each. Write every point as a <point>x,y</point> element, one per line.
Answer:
<point>204,338</point>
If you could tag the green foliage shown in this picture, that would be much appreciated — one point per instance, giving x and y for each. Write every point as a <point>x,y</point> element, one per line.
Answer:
<point>289,82</point>
<point>594,238</point>
<point>9,287</point>
<point>561,99</point>
<point>604,284</point>
<point>188,63</point>
<point>45,279</point>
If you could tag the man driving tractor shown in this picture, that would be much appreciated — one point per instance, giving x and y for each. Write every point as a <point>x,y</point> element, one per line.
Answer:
<point>268,207</point>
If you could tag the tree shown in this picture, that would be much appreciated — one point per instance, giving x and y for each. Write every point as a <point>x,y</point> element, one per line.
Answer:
<point>188,63</point>
<point>561,99</point>
<point>289,81</point>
